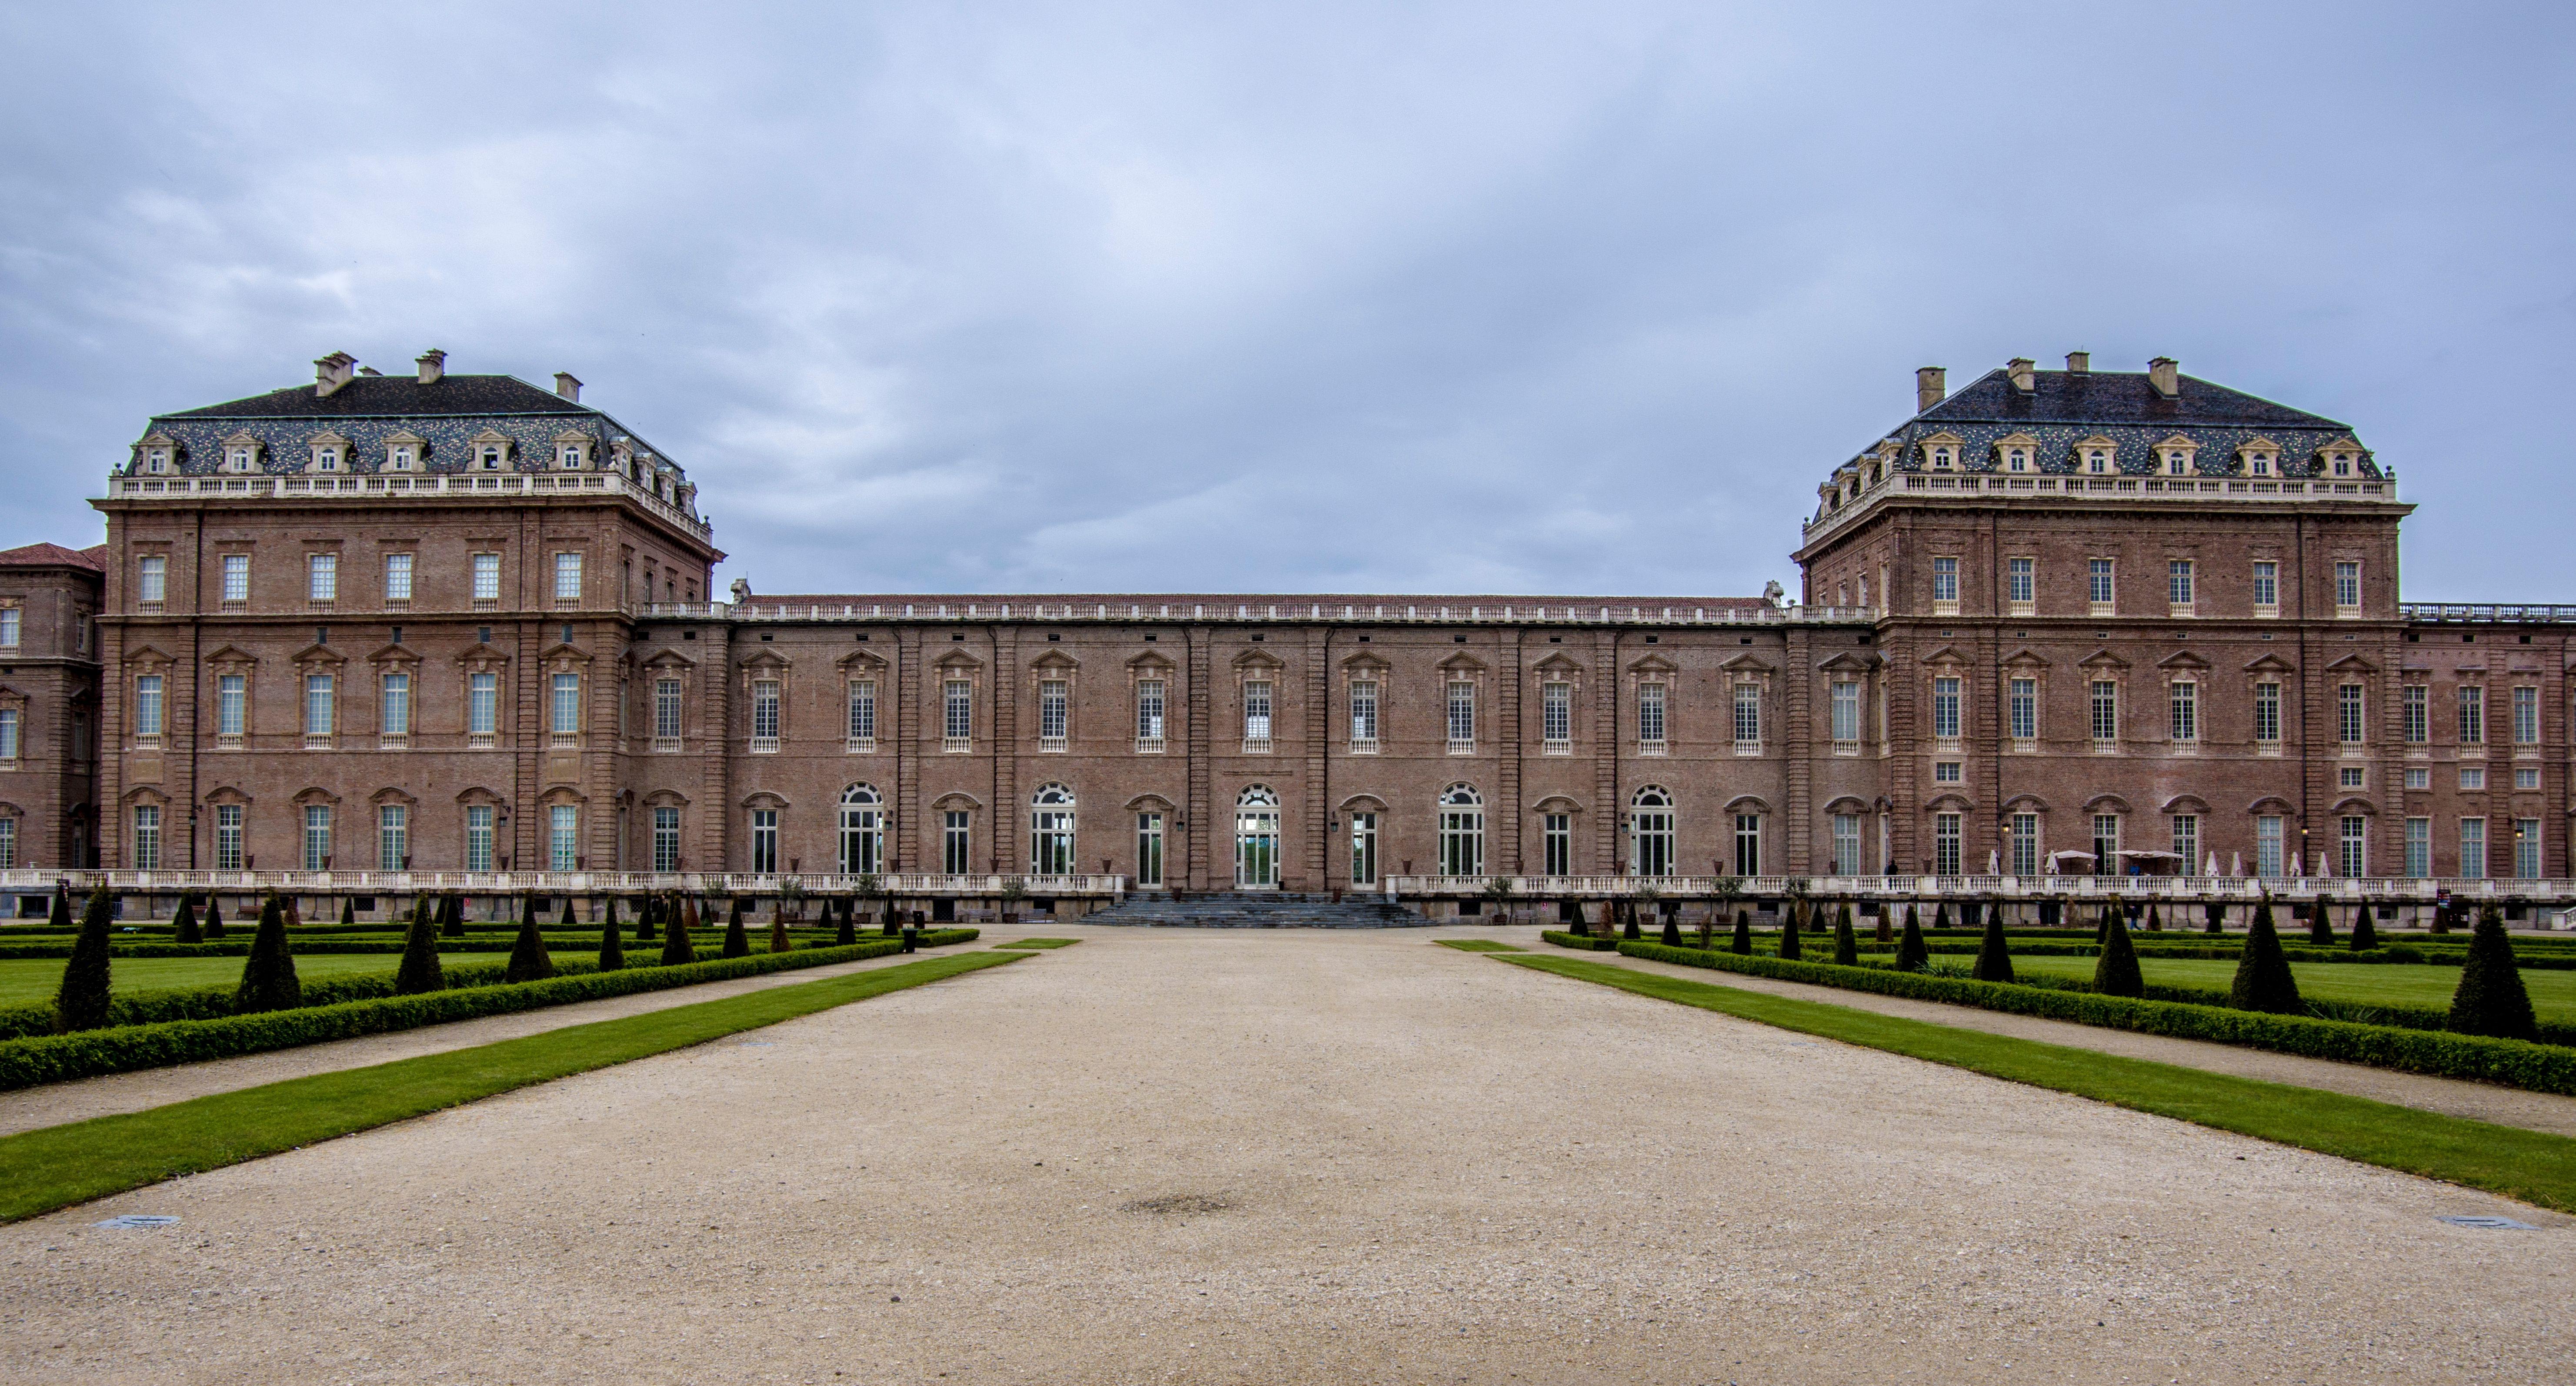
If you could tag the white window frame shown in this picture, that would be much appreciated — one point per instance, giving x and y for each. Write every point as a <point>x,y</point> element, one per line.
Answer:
<point>1556,717</point>
<point>1260,703</point>
<point>2102,588</point>
<point>149,711</point>
<point>567,578</point>
<point>668,726</point>
<point>2021,706</point>
<point>393,836</point>
<point>230,837</point>
<point>1651,707</point>
<point>1949,699</point>
<point>2182,721</point>
<point>2347,589</point>
<point>393,709</point>
<point>1153,711</point>
<point>1364,716</point>
<point>151,581</point>
<point>1745,701</point>
<point>486,589</point>
<point>1844,700</point>
<point>1945,585</point>
<point>482,709</point>
<point>1055,715</point>
<point>481,836</point>
<point>957,715</point>
<point>2182,586</point>
<point>861,732</point>
<point>2267,588</point>
<point>768,707</point>
<point>321,579</point>
<point>235,592</point>
<point>2021,578</point>
<point>1458,698</point>
<point>398,575</point>
<point>320,705</point>
<point>563,721</point>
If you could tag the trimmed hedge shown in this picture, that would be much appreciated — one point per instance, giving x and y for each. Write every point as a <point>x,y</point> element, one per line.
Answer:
<point>2511,1063</point>
<point>27,1063</point>
<point>1588,943</point>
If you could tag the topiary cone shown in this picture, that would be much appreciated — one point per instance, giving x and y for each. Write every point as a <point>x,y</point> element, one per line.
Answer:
<point>1940,919</point>
<point>80,1003</point>
<point>648,921</point>
<point>848,933</point>
<point>214,919</point>
<point>1911,954</point>
<point>1994,954</point>
<point>2115,967</point>
<point>2263,981</point>
<point>529,961</point>
<point>420,970</point>
<point>1672,936</point>
<point>452,925</point>
<point>1741,944</point>
<point>2155,920</point>
<point>676,948</point>
<point>1789,945</point>
<point>737,944</point>
<point>2320,929</point>
<point>1886,923</point>
<point>778,940</point>
<point>2365,936</point>
<point>2491,999</point>
<point>1846,944</point>
<point>892,925</point>
<point>348,910</point>
<point>59,918</point>
<point>183,925</point>
<point>2217,916</point>
<point>268,975</point>
<point>612,941</point>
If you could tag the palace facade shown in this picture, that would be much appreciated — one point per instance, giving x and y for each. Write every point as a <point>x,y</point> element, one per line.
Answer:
<point>2070,620</point>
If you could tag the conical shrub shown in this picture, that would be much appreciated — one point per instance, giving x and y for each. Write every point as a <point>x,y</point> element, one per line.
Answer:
<point>81,1002</point>
<point>348,911</point>
<point>1789,945</point>
<point>737,944</point>
<point>420,970</point>
<point>529,961</point>
<point>1940,919</point>
<point>893,926</point>
<point>648,921</point>
<point>214,919</point>
<point>848,933</point>
<point>778,940</point>
<point>2215,913</point>
<point>268,975</point>
<point>2115,967</point>
<point>2263,981</point>
<point>59,918</point>
<point>2442,918</point>
<point>1846,943</point>
<point>2155,919</point>
<point>1994,953</point>
<point>1741,943</point>
<point>1672,935</point>
<point>452,922</point>
<point>183,924</point>
<point>1911,954</point>
<point>1886,932</point>
<point>676,948</point>
<point>1970,915</point>
<point>2320,928</point>
<point>2491,999</point>
<point>612,940</point>
<point>2365,935</point>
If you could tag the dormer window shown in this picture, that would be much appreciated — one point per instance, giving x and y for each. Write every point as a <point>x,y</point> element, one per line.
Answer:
<point>489,458</point>
<point>326,459</point>
<point>2177,462</point>
<point>570,457</point>
<point>2341,462</point>
<point>1941,458</point>
<point>2258,463</point>
<point>2017,459</point>
<point>157,461</point>
<point>399,459</point>
<point>2097,461</point>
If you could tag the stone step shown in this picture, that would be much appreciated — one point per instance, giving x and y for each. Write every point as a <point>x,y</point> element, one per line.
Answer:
<point>1246,910</point>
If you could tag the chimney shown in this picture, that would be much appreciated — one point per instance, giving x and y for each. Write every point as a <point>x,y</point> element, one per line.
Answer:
<point>331,372</point>
<point>1931,383</point>
<point>2165,373</point>
<point>2079,363</point>
<point>2024,377</point>
<point>567,387</point>
<point>433,366</point>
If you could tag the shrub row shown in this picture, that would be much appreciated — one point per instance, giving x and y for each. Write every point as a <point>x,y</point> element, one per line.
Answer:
<point>26,1063</point>
<point>2512,1063</point>
<point>588,937</point>
<point>1586,942</point>
<point>215,1002</point>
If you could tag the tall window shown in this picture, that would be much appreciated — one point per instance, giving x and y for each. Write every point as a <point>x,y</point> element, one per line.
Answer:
<point>147,710</point>
<point>1650,715</point>
<point>764,842</point>
<point>1748,715</point>
<point>764,715</point>
<point>393,836</point>
<point>957,704</point>
<point>2178,582</point>
<point>2023,835</point>
<point>2526,848</point>
<point>1947,845</point>
<point>863,714</point>
<point>666,839</point>
<point>862,831</point>
<point>1945,708</point>
<point>147,837</point>
<point>482,708</point>
<point>1462,832</point>
<point>1748,844</point>
<point>2186,841</point>
<point>1846,710</point>
<point>322,577</point>
<point>2354,840</point>
<point>1556,843</point>
<point>487,578</point>
<point>2267,844</point>
<point>1054,712</point>
<point>2098,583</point>
<point>1256,715</point>
<point>1556,714</point>
<point>2024,705</point>
<point>567,577</point>
<point>2473,715</point>
<point>8,843</point>
<point>566,709</point>
<point>2473,846</point>
<point>2526,716</point>
<point>955,856</point>
<point>478,836</point>
<point>2419,848</point>
<point>393,721</point>
<point>1945,580</point>
<point>1149,714</point>
<point>2416,700</point>
<point>8,734</point>
<point>228,837</point>
<point>236,578</point>
<point>1650,833</point>
<point>2348,586</point>
<point>563,838</point>
<point>317,708</point>
<point>317,837</point>
<point>666,714</point>
<point>1364,714</point>
<point>152,580</point>
<point>2106,844</point>
<point>1051,831</point>
<point>2185,719</point>
<point>2267,585</point>
<point>397,577</point>
<point>1462,715</point>
<point>2021,576</point>
<point>1149,850</point>
<point>2348,714</point>
<point>1846,844</point>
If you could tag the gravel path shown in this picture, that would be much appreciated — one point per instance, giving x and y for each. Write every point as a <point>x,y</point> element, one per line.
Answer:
<point>1327,1156</point>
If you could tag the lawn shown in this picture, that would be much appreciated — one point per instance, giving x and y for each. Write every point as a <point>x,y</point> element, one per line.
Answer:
<point>37,979</point>
<point>2553,994</point>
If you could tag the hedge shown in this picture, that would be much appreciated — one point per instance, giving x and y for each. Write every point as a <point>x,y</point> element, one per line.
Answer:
<point>30,1062</point>
<point>307,946</point>
<point>1587,942</point>
<point>2512,1063</point>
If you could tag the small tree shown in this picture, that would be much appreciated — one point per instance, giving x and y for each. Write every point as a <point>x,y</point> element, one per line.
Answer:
<point>848,933</point>
<point>2263,981</point>
<point>2115,966</point>
<point>1846,943</point>
<point>1911,954</point>
<point>420,970</point>
<point>2320,928</point>
<point>1014,890</point>
<point>1886,931</point>
<point>1790,948</point>
<point>1741,944</point>
<point>1994,953</point>
<point>82,1000</point>
<point>2491,999</point>
<point>1708,928</point>
<point>268,975</point>
<point>2365,936</point>
<point>778,940</point>
<point>2442,918</point>
<point>529,961</point>
<point>612,941</point>
<point>183,924</point>
<point>737,944</point>
<point>676,947</point>
<point>893,919</point>
<point>214,919</point>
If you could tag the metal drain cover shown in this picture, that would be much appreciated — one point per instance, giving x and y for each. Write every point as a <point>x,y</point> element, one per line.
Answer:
<point>2492,1224</point>
<point>138,1220</point>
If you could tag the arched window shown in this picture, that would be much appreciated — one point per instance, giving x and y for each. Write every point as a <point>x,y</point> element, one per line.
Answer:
<point>1650,833</point>
<point>1256,837</point>
<point>1462,831</point>
<point>862,831</point>
<point>1051,831</point>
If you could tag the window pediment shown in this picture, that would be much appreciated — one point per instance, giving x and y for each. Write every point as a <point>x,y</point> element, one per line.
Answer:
<point>2106,803</point>
<point>147,659</point>
<point>1946,657</point>
<point>316,795</point>
<point>1748,803</point>
<point>957,662</point>
<point>2355,804</point>
<point>2026,660</point>
<point>1748,663</point>
<point>862,663</point>
<point>2186,803</point>
<point>2182,660</point>
<point>766,664</point>
<point>1055,662</point>
<point>1653,664</point>
<point>1851,662</point>
<point>2103,662</point>
<point>1952,802</point>
<point>2270,664</point>
<point>670,662</point>
<point>319,657</point>
<point>1560,666</point>
<point>2025,803</point>
<point>1151,663</point>
<point>2355,664</point>
<point>565,658</point>
<point>483,658</point>
<point>391,795</point>
<point>395,656</point>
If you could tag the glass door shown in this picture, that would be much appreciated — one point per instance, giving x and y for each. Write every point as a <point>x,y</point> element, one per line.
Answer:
<point>1363,849</point>
<point>1149,851</point>
<point>1256,839</point>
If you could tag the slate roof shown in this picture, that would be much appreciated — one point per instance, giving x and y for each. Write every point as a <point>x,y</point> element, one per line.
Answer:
<point>2064,408</point>
<point>394,396</point>
<point>55,556</point>
<point>1221,605</point>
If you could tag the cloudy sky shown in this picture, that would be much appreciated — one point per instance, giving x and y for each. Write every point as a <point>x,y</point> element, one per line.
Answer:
<point>1476,297</point>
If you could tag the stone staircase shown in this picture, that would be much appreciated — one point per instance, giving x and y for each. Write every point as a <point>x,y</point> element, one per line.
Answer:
<point>1258,910</point>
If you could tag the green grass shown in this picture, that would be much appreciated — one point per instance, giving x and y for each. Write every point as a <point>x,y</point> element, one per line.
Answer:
<point>1040,943</point>
<point>25,980</point>
<point>58,1166</point>
<point>2553,994</point>
<point>1478,945</point>
<point>2528,1165</point>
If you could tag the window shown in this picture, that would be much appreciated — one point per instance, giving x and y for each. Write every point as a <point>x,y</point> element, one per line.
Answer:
<point>2354,841</point>
<point>2417,777</point>
<point>957,704</point>
<point>2185,721</point>
<point>1462,832</point>
<point>2178,583</point>
<point>2526,716</point>
<point>1748,844</point>
<point>228,837</point>
<point>2526,849</point>
<point>2267,587</point>
<point>2022,834</point>
<point>1051,831</point>
<point>1949,771</point>
<point>1053,713</point>
<point>317,709</point>
<point>2098,588</point>
<point>8,734</point>
<point>1947,847</point>
<point>317,837</point>
<point>2473,777</point>
<point>478,835</point>
<point>2186,842</point>
<point>2267,716</point>
<point>862,831</point>
<point>567,578</point>
<point>482,708</point>
<point>2473,715</point>
<point>147,710</point>
<point>2347,588</point>
<point>1556,843</point>
<point>1846,710</point>
<point>1149,851</point>
<point>1748,717</point>
<point>2419,848</point>
<point>322,577</point>
<point>2348,714</point>
<point>1846,844</point>
<point>232,705</point>
<point>1556,716</point>
<point>1462,716</point>
<point>2022,709</point>
<point>764,842</point>
<point>1149,713</point>
<point>2267,844</point>
<point>1945,709</point>
<point>1650,833</point>
<point>151,583</point>
<point>2473,846</point>
<point>2416,701</point>
<point>954,842</point>
<point>2177,462</point>
<point>2526,777</point>
<point>569,456</point>
<point>2106,844</point>
<point>863,715</point>
<point>2021,577</point>
<point>666,714</point>
<point>2097,461</point>
<point>566,709</point>
<point>764,716</point>
<point>487,580</point>
<point>1945,581</point>
<point>1256,715</point>
<point>2350,776</point>
<point>666,839</point>
<point>147,837</point>
<point>393,716</point>
<point>9,627</point>
<point>393,837</point>
<point>236,578</point>
<point>490,458</point>
<point>8,843</point>
<point>1364,715</point>
<point>1650,718</point>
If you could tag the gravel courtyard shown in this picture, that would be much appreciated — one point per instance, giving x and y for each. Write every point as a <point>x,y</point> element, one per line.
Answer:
<point>1302,1156</point>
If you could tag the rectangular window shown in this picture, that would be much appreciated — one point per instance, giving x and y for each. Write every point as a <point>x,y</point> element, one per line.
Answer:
<point>1945,708</point>
<point>566,707</point>
<point>2178,583</point>
<point>487,579</point>
<point>151,580</point>
<point>393,836</point>
<point>2419,848</point>
<point>478,836</point>
<point>1149,714</point>
<point>1054,713</point>
<point>322,577</point>
<point>567,578</point>
<point>8,843</point>
<point>863,714</point>
<point>147,837</point>
<point>2267,844</point>
<point>2023,832</point>
<point>666,840</point>
<point>1949,772</point>
<point>1149,849</point>
<point>2098,585</point>
<point>2473,715</point>
<point>2185,722</point>
<point>2355,843</point>
<point>954,842</point>
<point>147,710</point>
<point>2347,587</point>
<point>1364,715</point>
<point>1846,844</point>
<point>1462,715</point>
<point>2186,842</point>
<point>393,720</point>
<point>1947,844</point>
<point>957,714</point>
<point>2350,776</point>
<point>2526,849</point>
<point>2348,714</point>
<point>8,736</point>
<point>1256,715</point>
<point>1748,844</point>
<point>317,837</point>
<point>563,839</point>
<point>666,714</point>
<point>764,715</point>
<point>317,708</point>
<point>2106,844</point>
<point>397,577</point>
<point>2417,702</point>
<point>228,837</point>
<point>1748,716</point>
<point>764,842</point>
<point>2267,585</point>
<point>2021,576</point>
<point>1846,710</point>
<point>1650,715</point>
<point>9,627</point>
<point>2526,716</point>
<point>2025,709</point>
<point>482,707</point>
<point>236,580</point>
<point>2473,777</point>
<point>1556,714</point>
<point>2526,777</point>
<point>1556,837</point>
<point>1945,580</point>
<point>2473,847</point>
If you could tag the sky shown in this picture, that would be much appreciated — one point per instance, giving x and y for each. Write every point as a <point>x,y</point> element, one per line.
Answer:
<point>1481,297</point>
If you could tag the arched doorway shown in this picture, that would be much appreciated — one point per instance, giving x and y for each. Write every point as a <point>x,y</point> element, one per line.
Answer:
<point>1256,839</point>
<point>862,831</point>
<point>1462,831</point>
<point>1051,831</point>
<point>1650,832</point>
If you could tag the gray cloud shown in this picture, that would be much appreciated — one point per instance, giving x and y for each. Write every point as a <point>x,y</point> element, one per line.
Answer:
<point>1467,297</point>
